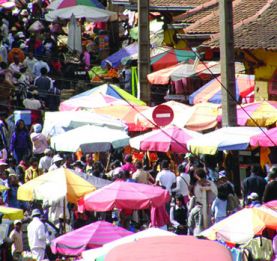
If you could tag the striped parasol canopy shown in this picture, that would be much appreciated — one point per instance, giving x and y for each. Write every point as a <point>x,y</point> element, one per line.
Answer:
<point>59,4</point>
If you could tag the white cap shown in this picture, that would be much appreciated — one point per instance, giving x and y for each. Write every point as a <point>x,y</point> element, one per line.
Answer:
<point>57,158</point>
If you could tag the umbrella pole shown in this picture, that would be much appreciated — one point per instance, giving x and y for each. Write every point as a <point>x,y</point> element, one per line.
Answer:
<point>108,162</point>
<point>64,216</point>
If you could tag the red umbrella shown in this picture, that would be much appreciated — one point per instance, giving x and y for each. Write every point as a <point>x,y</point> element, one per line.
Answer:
<point>91,236</point>
<point>124,195</point>
<point>170,248</point>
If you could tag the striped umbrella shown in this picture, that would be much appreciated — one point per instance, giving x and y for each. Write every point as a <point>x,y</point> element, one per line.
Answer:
<point>58,4</point>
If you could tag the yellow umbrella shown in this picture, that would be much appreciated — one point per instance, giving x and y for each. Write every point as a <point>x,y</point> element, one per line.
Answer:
<point>54,186</point>
<point>11,213</point>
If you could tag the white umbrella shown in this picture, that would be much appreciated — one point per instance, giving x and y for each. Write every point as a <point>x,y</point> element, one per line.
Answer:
<point>81,11</point>
<point>59,122</point>
<point>74,41</point>
<point>90,139</point>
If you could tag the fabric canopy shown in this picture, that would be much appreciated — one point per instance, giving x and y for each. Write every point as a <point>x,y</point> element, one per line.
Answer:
<point>87,237</point>
<point>111,90</point>
<point>95,100</point>
<point>115,59</point>
<point>263,113</point>
<point>127,114</point>
<point>59,122</point>
<point>171,138</point>
<point>265,139</point>
<point>243,225</point>
<point>171,57</point>
<point>81,11</point>
<point>182,70</point>
<point>95,181</point>
<point>228,138</point>
<point>211,91</point>
<point>90,139</point>
<point>55,185</point>
<point>11,213</point>
<point>150,232</point>
<point>164,248</point>
<point>202,116</point>
<point>124,195</point>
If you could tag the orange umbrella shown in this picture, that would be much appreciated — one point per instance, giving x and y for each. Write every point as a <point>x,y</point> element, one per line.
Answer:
<point>169,248</point>
<point>125,113</point>
<point>243,225</point>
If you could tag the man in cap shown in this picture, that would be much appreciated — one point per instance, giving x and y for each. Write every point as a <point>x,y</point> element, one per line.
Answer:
<point>253,200</point>
<point>56,162</point>
<point>46,161</point>
<point>16,240</point>
<point>37,236</point>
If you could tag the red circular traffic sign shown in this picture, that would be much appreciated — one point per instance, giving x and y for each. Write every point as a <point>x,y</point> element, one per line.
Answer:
<point>163,115</point>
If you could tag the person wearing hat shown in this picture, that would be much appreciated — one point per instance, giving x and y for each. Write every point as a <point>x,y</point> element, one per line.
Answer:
<point>16,240</point>
<point>56,162</point>
<point>39,140</point>
<point>253,200</point>
<point>45,161</point>
<point>37,236</point>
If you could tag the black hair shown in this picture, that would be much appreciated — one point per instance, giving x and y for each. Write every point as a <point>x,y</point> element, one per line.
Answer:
<point>165,164</point>
<point>200,172</point>
<point>138,164</point>
<point>43,71</point>
<point>181,168</point>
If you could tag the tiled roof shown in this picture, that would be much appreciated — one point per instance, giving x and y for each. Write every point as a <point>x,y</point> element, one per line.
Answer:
<point>259,33</point>
<point>177,3</point>
<point>197,13</point>
<point>167,3</point>
<point>242,9</point>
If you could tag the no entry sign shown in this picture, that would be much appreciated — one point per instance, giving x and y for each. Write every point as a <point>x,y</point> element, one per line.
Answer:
<point>163,115</point>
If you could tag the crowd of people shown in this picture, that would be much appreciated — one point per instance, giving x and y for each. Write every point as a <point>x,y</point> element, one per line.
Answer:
<point>200,196</point>
<point>31,66</point>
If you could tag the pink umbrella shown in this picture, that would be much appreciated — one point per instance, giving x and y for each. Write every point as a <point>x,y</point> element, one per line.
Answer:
<point>94,101</point>
<point>87,237</point>
<point>266,139</point>
<point>124,195</point>
<point>170,138</point>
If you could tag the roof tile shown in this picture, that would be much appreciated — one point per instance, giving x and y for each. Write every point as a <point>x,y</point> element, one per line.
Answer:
<point>242,9</point>
<point>259,33</point>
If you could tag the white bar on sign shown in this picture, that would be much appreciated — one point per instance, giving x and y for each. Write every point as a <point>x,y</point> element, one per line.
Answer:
<point>163,115</point>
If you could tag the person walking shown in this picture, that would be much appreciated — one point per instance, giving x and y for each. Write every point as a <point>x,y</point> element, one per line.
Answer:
<point>16,240</point>
<point>166,178</point>
<point>254,183</point>
<point>37,236</point>
<point>182,184</point>
<point>20,144</point>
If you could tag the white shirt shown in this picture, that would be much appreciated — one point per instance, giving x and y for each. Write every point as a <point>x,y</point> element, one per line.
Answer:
<point>36,234</point>
<point>31,104</point>
<point>166,178</point>
<point>45,163</point>
<point>182,183</point>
